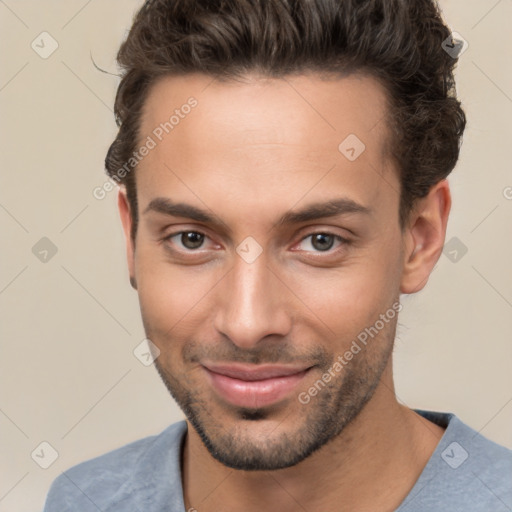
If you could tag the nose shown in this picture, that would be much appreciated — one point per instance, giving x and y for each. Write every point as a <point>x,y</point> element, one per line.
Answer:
<point>252,304</point>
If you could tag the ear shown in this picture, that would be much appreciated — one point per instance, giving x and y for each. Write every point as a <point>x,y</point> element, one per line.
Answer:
<point>126,220</point>
<point>424,237</point>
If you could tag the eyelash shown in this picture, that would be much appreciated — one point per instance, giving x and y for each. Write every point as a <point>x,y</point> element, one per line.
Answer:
<point>342,241</point>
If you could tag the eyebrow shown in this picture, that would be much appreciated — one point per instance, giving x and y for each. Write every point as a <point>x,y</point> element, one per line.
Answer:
<point>331,208</point>
<point>315,211</point>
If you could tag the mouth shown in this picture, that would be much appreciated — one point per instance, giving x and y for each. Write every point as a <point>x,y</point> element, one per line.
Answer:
<point>254,386</point>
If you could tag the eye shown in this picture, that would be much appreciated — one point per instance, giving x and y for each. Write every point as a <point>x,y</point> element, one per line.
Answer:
<point>321,242</point>
<point>188,240</point>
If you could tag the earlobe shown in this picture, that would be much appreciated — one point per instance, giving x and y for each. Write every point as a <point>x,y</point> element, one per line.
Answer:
<point>424,237</point>
<point>126,221</point>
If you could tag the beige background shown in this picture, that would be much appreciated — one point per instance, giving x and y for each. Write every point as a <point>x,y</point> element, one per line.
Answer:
<point>68,326</point>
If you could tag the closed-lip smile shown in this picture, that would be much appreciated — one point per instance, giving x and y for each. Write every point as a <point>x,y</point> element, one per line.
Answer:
<point>253,385</point>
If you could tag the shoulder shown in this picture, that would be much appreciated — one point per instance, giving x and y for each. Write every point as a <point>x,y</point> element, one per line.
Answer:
<point>463,446</point>
<point>109,479</point>
<point>491,464</point>
<point>467,471</point>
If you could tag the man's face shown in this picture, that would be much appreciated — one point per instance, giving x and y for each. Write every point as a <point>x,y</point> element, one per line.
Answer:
<point>246,291</point>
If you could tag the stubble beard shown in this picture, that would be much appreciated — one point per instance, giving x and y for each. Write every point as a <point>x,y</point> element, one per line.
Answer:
<point>306,429</point>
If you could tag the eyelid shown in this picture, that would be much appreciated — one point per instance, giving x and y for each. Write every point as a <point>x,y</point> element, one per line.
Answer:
<point>168,236</point>
<point>343,240</point>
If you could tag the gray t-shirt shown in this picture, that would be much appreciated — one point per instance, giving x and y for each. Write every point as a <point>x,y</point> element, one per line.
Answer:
<point>466,473</point>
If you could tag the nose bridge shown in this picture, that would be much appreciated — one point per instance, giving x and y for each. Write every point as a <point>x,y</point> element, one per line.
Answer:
<point>252,304</point>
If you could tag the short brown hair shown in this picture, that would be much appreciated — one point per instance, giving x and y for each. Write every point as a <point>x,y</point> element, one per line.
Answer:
<point>397,41</point>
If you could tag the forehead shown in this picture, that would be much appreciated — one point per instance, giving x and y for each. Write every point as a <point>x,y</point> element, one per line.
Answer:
<point>266,110</point>
<point>259,140</point>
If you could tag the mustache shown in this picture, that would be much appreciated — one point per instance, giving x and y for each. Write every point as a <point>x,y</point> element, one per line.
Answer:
<point>268,353</point>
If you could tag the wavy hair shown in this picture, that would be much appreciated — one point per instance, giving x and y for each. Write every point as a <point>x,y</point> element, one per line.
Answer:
<point>397,41</point>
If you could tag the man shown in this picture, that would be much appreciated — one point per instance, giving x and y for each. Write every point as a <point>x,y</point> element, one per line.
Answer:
<point>283,171</point>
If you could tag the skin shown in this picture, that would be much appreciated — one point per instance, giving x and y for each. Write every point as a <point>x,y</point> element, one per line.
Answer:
<point>252,150</point>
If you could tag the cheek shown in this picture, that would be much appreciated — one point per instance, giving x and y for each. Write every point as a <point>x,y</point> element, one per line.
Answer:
<point>352,296</point>
<point>171,296</point>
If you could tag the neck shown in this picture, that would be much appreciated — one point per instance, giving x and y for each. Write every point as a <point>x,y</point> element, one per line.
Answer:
<point>371,465</point>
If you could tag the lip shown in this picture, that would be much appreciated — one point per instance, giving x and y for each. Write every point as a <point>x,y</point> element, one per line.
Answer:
<point>254,386</point>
